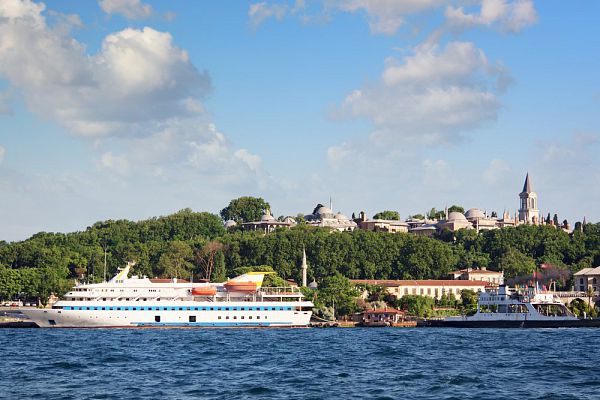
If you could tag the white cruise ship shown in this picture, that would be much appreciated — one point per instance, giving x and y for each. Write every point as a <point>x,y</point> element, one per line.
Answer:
<point>125,302</point>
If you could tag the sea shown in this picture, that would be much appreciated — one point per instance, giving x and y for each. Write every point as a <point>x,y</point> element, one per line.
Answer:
<point>326,363</point>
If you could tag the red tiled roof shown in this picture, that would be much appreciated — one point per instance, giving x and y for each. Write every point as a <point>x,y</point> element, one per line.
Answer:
<point>427,282</point>
<point>475,271</point>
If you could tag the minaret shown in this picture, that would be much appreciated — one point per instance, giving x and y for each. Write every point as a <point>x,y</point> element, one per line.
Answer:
<point>304,267</point>
<point>528,212</point>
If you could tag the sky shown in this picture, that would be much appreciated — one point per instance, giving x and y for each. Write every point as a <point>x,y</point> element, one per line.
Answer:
<point>132,109</point>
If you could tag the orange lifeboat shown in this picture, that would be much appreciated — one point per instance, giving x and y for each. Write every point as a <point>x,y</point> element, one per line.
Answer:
<point>204,291</point>
<point>244,287</point>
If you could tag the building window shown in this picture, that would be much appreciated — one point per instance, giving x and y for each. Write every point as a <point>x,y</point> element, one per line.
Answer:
<point>594,281</point>
<point>581,281</point>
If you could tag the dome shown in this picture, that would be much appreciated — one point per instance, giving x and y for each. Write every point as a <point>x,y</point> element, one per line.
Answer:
<point>323,210</point>
<point>267,218</point>
<point>340,216</point>
<point>313,285</point>
<point>230,224</point>
<point>289,220</point>
<point>456,216</point>
<point>475,213</point>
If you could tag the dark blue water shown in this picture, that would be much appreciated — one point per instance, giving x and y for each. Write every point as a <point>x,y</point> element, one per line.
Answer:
<point>384,363</point>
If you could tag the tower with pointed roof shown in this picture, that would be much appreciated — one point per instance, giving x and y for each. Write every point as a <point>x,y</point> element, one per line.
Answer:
<point>528,210</point>
<point>304,267</point>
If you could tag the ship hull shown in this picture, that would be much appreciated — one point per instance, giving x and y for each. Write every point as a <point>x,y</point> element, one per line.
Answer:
<point>177,315</point>
<point>581,323</point>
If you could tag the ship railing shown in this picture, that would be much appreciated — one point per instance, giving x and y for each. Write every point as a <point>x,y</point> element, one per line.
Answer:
<point>283,290</point>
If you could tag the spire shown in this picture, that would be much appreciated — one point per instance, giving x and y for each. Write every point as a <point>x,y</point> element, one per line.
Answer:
<point>527,185</point>
<point>304,266</point>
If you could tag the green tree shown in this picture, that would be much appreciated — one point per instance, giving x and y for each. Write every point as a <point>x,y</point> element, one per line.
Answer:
<point>516,264</point>
<point>455,208</point>
<point>416,305</point>
<point>175,262</point>
<point>245,209</point>
<point>339,292</point>
<point>388,215</point>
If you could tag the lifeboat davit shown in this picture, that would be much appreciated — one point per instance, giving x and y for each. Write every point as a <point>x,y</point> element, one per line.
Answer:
<point>204,291</point>
<point>244,287</point>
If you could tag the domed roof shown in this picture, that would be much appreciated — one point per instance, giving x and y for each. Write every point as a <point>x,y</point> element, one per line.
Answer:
<point>456,216</point>
<point>230,223</point>
<point>323,210</point>
<point>267,217</point>
<point>289,220</point>
<point>313,285</point>
<point>475,213</point>
<point>340,216</point>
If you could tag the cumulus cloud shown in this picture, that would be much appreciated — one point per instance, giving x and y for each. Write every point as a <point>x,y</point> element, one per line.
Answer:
<point>386,16</point>
<point>504,14</point>
<point>260,12</point>
<point>431,97</point>
<point>132,9</point>
<point>138,79</point>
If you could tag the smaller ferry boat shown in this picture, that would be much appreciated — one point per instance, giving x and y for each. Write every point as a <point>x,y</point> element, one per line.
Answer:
<point>503,308</point>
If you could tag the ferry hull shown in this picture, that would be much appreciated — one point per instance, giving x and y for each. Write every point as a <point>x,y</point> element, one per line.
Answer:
<point>581,323</point>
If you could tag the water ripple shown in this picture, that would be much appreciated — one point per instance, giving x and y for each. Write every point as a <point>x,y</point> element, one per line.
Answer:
<point>299,364</point>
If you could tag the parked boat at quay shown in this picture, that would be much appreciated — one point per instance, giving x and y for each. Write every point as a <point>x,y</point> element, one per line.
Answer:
<point>503,308</point>
<point>142,302</point>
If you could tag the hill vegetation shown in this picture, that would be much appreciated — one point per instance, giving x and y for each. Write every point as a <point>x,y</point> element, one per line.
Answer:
<point>195,244</point>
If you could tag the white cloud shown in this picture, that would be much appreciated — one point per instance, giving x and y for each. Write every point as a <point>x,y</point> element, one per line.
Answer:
<point>117,163</point>
<point>132,9</point>
<point>138,80</point>
<point>253,161</point>
<point>2,154</point>
<point>260,12</point>
<point>496,172</point>
<point>432,97</point>
<point>505,14</point>
<point>386,16</point>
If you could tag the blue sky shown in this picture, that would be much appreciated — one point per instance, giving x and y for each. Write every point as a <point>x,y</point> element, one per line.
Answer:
<point>131,109</point>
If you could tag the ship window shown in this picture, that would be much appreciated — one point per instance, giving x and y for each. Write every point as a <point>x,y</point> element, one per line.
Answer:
<point>242,317</point>
<point>219,317</point>
<point>118,308</point>
<point>227,317</point>
<point>103,308</point>
<point>234,317</point>
<point>104,299</point>
<point>180,308</point>
<point>52,322</point>
<point>192,318</point>
<point>157,318</point>
<point>226,308</point>
<point>250,317</point>
<point>258,317</point>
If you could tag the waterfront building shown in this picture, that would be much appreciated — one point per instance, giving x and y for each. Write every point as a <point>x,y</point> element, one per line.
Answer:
<point>379,317</point>
<point>528,211</point>
<point>494,278</point>
<point>325,218</point>
<point>434,288</point>
<point>587,278</point>
<point>268,223</point>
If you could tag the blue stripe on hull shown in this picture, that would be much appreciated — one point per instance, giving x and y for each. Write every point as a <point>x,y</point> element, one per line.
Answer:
<point>224,324</point>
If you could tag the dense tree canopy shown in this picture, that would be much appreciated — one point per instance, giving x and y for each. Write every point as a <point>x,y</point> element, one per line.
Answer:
<point>389,215</point>
<point>245,209</point>
<point>195,244</point>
